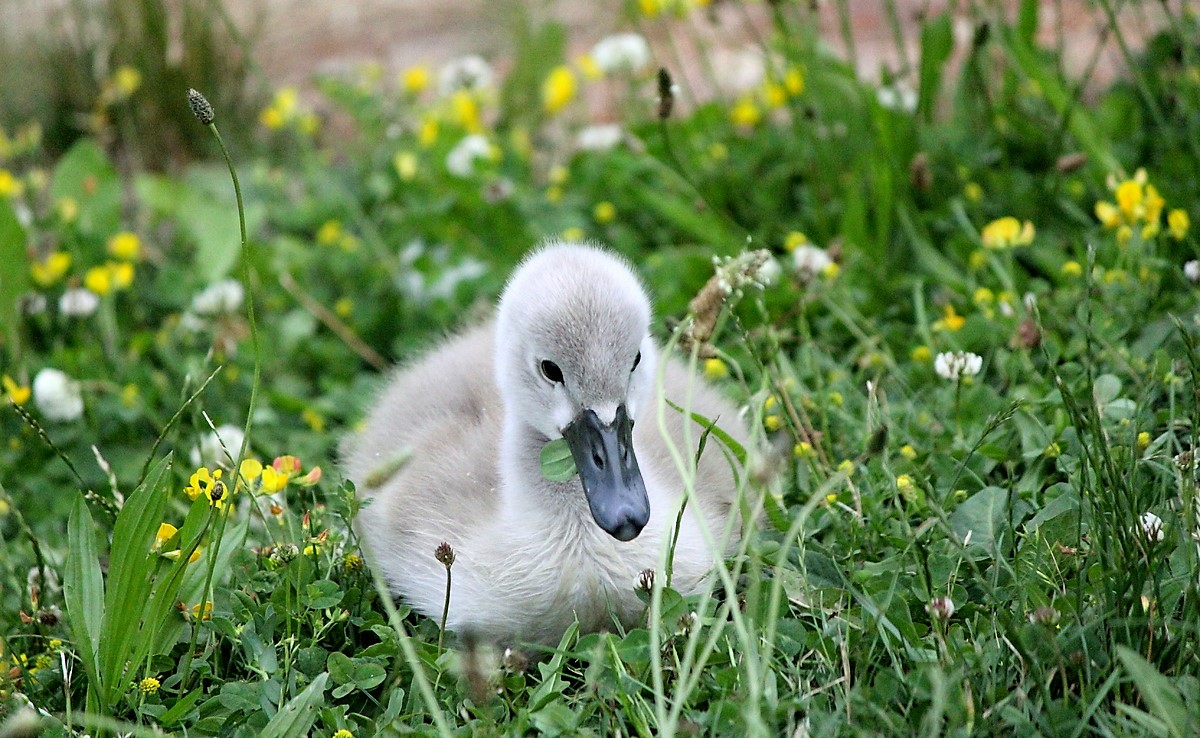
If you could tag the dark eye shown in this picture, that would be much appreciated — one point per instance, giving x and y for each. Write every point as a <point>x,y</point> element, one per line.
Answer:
<point>551,371</point>
<point>637,360</point>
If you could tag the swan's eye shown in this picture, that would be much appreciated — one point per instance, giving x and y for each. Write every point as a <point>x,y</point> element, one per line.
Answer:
<point>637,360</point>
<point>551,371</point>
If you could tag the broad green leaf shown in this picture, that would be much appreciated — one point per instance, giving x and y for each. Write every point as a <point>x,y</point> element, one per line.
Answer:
<point>83,590</point>
<point>14,270</point>
<point>86,176</point>
<point>981,515</point>
<point>296,717</point>
<point>1157,691</point>
<point>557,463</point>
<point>131,570</point>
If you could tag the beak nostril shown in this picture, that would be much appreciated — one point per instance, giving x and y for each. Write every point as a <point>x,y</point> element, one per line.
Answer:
<point>598,460</point>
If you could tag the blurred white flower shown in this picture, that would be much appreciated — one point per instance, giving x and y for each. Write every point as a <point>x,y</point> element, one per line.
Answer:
<point>809,261</point>
<point>469,72</point>
<point>1152,527</point>
<point>33,303</point>
<point>621,52</point>
<point>739,70</point>
<point>769,272</point>
<point>219,298</point>
<point>955,364</point>
<point>600,137</point>
<point>898,96</point>
<point>213,445</point>
<point>1191,270</point>
<point>57,396</point>
<point>940,608</point>
<point>78,302</point>
<point>461,160</point>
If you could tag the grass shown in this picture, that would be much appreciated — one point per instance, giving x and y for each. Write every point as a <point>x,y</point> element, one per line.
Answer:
<point>1011,550</point>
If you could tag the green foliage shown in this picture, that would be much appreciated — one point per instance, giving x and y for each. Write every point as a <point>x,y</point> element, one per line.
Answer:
<point>1002,546</point>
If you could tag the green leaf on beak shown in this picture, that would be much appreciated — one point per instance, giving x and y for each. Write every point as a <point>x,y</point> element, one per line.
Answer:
<point>557,463</point>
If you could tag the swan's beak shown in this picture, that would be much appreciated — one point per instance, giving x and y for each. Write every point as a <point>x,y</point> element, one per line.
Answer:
<point>609,471</point>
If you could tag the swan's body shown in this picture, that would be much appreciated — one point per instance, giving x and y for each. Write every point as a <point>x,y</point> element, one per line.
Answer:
<point>531,555</point>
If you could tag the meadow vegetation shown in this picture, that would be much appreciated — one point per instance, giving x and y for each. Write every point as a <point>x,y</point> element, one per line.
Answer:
<point>959,306</point>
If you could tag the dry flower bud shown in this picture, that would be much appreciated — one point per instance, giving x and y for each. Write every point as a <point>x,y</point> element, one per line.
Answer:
<point>445,554</point>
<point>200,106</point>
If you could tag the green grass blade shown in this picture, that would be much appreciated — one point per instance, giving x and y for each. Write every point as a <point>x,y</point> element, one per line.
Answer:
<point>83,591</point>
<point>1157,691</point>
<point>296,717</point>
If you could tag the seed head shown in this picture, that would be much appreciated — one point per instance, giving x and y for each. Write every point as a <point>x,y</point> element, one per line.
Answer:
<point>666,94</point>
<point>201,108</point>
<point>445,554</point>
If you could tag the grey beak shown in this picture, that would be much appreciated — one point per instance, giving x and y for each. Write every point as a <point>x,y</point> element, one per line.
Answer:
<point>609,471</point>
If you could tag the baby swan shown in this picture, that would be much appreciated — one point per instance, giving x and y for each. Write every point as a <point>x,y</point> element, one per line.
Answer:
<point>568,355</point>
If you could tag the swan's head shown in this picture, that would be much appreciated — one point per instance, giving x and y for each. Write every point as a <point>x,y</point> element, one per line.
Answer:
<point>575,359</point>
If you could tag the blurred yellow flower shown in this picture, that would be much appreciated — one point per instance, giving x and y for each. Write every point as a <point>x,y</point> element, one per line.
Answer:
<point>715,369</point>
<point>588,66</point>
<point>559,89</point>
<point>1143,440</point>
<point>977,260</point>
<point>274,480</point>
<point>745,113</point>
<point>329,233</point>
<point>50,270</point>
<point>921,354</point>
<point>99,280</point>
<point>16,393</point>
<point>1072,269</point>
<point>1107,214</point>
<point>271,118</point>
<point>973,192</point>
<point>415,80</point>
<point>846,467</point>
<point>793,81</point>
<point>604,212</point>
<point>950,320</point>
<point>286,100</point>
<point>772,423</point>
<point>1007,232</point>
<point>313,419</point>
<point>126,80</point>
<point>574,233</point>
<point>650,8</point>
<point>1178,222</point>
<point>428,133</point>
<point>984,296</point>
<point>466,111</point>
<point>802,450</point>
<point>125,245</point>
<point>405,163</point>
<point>908,452</point>
<point>10,186</point>
<point>774,95</point>
<point>794,240</point>
<point>343,307</point>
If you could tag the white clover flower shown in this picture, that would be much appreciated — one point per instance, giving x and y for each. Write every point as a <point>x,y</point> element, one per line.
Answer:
<point>621,52</point>
<point>213,445</point>
<point>219,298</point>
<point>940,608</point>
<point>1152,527</point>
<point>898,96</point>
<point>809,261</point>
<point>599,137</point>
<point>57,396</point>
<point>461,160</point>
<point>1191,270</point>
<point>469,73</point>
<point>78,302</point>
<point>955,364</point>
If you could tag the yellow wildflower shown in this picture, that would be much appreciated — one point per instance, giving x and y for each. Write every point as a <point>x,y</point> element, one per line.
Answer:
<point>149,685</point>
<point>836,398</point>
<point>802,450</point>
<point>559,89</point>
<point>1108,214</point>
<point>166,532</point>
<point>604,212</point>
<point>715,369</point>
<point>16,393</point>
<point>558,174</point>
<point>846,467</point>
<point>209,484</point>
<point>125,245</point>
<point>428,133</point>
<point>650,8</point>
<point>984,296</point>
<point>251,469</point>
<point>904,483</point>
<point>973,192</point>
<point>745,113</point>
<point>574,233</point>
<point>587,64</point>
<point>343,733</point>
<point>1052,450</point>
<point>10,186</point>
<point>794,240</point>
<point>1178,222</point>
<point>313,419</point>
<point>271,118</point>
<point>466,111</point>
<point>793,81</point>
<point>405,163</point>
<point>1143,440</point>
<point>329,233</point>
<point>1072,269</point>
<point>415,80</point>
<point>772,423</point>
<point>343,307</point>
<point>1130,200</point>
<point>908,452</point>
<point>274,480</point>
<point>921,354</point>
<point>950,320</point>
<point>286,101</point>
<point>126,80</point>
<point>1124,234</point>
<point>121,274</point>
<point>1007,232</point>
<point>977,260</point>
<point>774,95</point>
<point>99,280</point>
<point>203,611</point>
